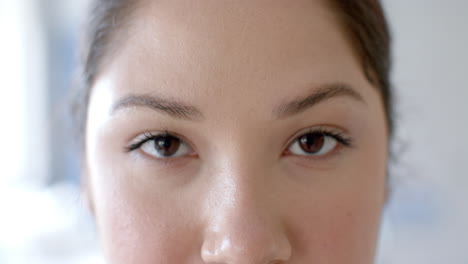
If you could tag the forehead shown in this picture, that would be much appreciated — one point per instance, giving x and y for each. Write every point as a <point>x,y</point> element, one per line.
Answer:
<point>235,51</point>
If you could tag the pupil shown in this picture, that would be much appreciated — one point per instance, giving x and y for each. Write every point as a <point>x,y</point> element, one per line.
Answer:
<point>167,145</point>
<point>312,143</point>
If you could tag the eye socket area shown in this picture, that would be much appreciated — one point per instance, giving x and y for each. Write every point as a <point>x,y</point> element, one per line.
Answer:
<point>318,142</point>
<point>161,145</point>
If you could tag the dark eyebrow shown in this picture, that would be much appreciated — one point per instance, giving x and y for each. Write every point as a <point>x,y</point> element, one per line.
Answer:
<point>319,95</point>
<point>170,107</point>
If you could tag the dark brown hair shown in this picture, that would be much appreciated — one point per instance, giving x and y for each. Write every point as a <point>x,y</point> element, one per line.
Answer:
<point>367,28</point>
<point>363,20</point>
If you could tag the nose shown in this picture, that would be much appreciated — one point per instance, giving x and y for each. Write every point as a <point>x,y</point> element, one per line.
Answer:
<point>244,227</point>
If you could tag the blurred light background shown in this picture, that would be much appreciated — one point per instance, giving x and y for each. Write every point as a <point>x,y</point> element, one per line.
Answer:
<point>42,217</point>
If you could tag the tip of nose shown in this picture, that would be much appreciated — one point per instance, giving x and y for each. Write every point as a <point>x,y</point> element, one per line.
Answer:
<point>255,252</point>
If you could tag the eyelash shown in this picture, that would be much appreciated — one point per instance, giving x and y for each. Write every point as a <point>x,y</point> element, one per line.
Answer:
<point>338,135</point>
<point>145,137</point>
<point>334,133</point>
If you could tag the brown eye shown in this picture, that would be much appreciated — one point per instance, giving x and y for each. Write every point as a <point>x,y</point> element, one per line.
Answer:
<point>165,146</point>
<point>313,144</point>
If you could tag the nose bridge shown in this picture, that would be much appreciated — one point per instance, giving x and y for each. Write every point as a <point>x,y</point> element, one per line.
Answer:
<point>243,225</point>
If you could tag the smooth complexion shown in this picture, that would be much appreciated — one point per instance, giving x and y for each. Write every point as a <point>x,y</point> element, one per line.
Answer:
<point>238,82</point>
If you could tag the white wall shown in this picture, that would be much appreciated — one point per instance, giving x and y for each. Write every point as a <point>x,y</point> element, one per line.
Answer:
<point>23,92</point>
<point>428,217</point>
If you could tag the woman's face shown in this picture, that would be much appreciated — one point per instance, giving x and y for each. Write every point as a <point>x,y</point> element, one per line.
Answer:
<point>236,132</point>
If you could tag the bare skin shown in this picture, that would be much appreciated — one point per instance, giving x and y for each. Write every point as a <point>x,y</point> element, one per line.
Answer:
<point>239,188</point>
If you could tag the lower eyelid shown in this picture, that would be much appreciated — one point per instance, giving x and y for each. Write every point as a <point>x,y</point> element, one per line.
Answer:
<point>162,161</point>
<point>338,148</point>
<point>318,161</point>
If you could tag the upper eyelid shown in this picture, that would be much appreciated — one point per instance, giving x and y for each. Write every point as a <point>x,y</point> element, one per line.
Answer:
<point>143,137</point>
<point>149,135</point>
<point>305,131</point>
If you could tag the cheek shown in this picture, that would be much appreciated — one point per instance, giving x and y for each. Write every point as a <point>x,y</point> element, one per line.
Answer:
<point>140,224</point>
<point>337,227</point>
<point>338,221</point>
